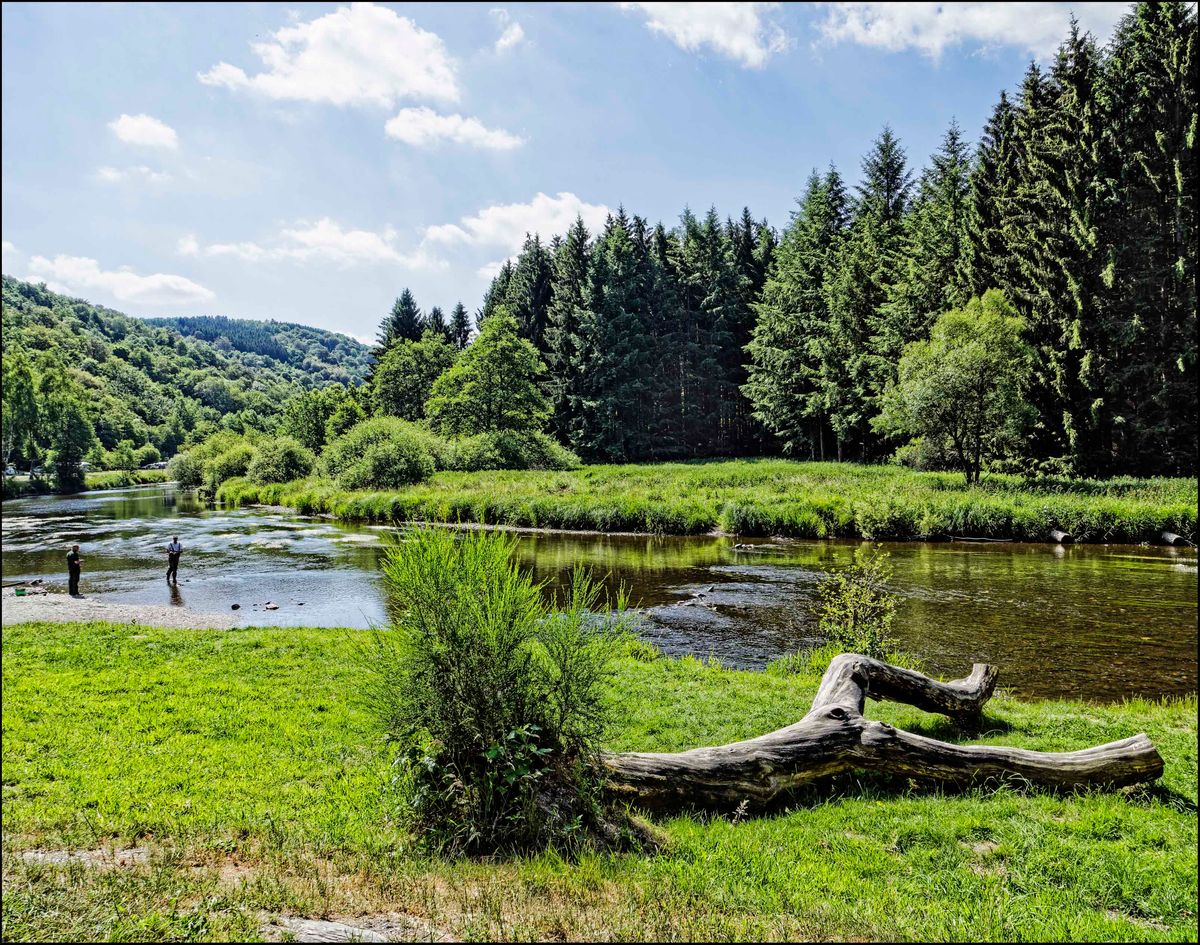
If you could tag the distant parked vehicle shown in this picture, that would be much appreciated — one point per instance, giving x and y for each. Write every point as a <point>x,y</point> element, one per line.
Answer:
<point>10,470</point>
<point>85,467</point>
<point>161,465</point>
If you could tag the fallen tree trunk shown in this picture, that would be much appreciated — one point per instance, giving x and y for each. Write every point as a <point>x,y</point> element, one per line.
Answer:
<point>835,737</point>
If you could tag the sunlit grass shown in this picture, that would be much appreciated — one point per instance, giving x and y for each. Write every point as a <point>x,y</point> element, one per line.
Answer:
<point>765,497</point>
<point>247,764</point>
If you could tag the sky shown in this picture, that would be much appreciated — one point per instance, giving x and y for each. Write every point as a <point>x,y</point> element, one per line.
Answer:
<point>306,162</point>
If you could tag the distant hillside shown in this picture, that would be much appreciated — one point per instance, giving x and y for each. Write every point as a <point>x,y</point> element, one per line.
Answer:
<point>319,353</point>
<point>157,380</point>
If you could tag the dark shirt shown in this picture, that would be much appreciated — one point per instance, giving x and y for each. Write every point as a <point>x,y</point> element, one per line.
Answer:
<point>73,560</point>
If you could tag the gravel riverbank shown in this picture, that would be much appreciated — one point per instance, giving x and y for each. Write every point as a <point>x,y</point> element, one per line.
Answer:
<point>62,608</point>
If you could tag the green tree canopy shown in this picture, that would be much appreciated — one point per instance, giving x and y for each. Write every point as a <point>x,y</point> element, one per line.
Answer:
<point>962,390</point>
<point>404,378</point>
<point>493,386</point>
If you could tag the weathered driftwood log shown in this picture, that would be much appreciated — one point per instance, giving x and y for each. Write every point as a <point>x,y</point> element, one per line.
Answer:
<point>1170,538</point>
<point>1063,538</point>
<point>835,737</point>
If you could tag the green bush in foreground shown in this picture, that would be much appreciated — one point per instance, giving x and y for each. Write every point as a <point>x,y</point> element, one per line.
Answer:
<point>498,696</point>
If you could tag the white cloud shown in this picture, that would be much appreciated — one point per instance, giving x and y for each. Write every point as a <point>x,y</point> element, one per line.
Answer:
<point>423,127</point>
<point>504,225</point>
<point>145,131</point>
<point>735,30</point>
<point>10,257</point>
<point>78,274</point>
<point>511,33</point>
<point>140,173</point>
<point>324,241</point>
<point>362,54</point>
<point>932,27</point>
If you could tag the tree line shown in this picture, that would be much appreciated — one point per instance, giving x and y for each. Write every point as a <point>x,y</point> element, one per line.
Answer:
<point>722,337</point>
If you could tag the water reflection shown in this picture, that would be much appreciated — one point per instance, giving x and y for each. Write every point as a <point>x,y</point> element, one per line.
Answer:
<point>1096,621</point>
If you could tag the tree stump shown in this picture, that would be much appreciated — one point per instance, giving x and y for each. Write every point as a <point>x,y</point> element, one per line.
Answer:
<point>835,737</point>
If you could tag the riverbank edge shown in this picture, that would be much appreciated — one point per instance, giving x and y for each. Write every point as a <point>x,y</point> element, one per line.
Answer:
<point>53,607</point>
<point>825,513</point>
<point>292,774</point>
<point>94,482</point>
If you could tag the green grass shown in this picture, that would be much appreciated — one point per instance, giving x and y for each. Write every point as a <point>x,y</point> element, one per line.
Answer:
<point>15,488</point>
<point>245,762</point>
<point>764,497</point>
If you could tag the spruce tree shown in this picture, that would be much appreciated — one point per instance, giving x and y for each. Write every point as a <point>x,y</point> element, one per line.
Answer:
<point>403,323</point>
<point>527,293</point>
<point>460,326</point>
<point>436,322</point>
<point>568,290</point>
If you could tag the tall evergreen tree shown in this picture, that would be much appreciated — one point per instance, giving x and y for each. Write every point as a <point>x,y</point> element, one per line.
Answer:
<point>933,251</point>
<point>1149,170</point>
<point>460,326</point>
<point>496,293</point>
<point>436,322</point>
<point>568,300</point>
<point>987,259</point>
<point>403,323</point>
<point>861,332</point>
<point>615,350</point>
<point>527,294</point>
<point>790,333</point>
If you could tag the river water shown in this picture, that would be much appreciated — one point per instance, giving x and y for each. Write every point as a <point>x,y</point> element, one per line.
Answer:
<point>1096,622</point>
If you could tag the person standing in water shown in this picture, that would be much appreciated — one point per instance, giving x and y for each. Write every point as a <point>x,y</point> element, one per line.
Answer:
<point>174,550</point>
<point>74,560</point>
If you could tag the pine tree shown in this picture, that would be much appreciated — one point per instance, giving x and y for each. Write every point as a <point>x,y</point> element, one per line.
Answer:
<point>568,290</point>
<point>1149,170</point>
<point>527,293</point>
<point>495,294</point>
<point>460,326</point>
<point>614,345</point>
<point>861,336</point>
<point>403,323</point>
<point>791,330</point>
<point>436,322</point>
<point>933,249</point>
<point>987,259</point>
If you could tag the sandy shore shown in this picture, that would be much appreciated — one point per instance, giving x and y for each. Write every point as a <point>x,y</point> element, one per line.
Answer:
<point>61,608</point>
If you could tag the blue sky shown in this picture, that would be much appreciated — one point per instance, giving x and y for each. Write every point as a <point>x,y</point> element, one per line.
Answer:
<point>307,161</point>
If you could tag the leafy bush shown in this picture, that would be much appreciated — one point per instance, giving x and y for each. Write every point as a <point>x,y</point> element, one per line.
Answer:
<point>497,696</point>
<point>280,460</point>
<point>234,461</point>
<point>186,469</point>
<point>856,606</point>
<point>509,450</point>
<point>380,453</point>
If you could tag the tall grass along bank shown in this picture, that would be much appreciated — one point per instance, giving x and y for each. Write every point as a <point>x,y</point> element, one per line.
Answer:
<point>764,497</point>
<point>252,779</point>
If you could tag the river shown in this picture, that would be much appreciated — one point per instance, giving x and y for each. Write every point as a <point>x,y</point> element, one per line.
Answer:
<point>1100,622</point>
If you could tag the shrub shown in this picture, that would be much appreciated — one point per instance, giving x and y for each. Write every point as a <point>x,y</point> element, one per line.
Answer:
<point>232,462</point>
<point>497,696</point>
<point>509,450</point>
<point>380,453</point>
<point>280,460</point>
<point>856,606</point>
<point>187,469</point>
<point>391,464</point>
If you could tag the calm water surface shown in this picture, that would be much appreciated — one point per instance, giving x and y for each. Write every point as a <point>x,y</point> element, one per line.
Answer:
<point>1097,622</point>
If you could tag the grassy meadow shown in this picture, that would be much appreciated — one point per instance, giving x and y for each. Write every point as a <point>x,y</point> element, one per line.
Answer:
<point>763,497</point>
<point>245,762</point>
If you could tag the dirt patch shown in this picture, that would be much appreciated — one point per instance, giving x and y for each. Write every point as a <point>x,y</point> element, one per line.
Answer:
<point>393,927</point>
<point>61,608</point>
<point>103,859</point>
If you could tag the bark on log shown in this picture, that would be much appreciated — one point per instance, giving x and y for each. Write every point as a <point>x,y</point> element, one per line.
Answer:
<point>1170,538</point>
<point>1063,538</point>
<point>835,737</point>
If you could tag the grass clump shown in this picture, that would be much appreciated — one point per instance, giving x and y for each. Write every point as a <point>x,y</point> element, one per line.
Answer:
<point>496,696</point>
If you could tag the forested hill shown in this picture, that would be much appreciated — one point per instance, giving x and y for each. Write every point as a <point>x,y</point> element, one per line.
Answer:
<point>157,380</point>
<point>323,354</point>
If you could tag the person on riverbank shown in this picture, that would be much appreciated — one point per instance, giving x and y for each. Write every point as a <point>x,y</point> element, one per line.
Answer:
<point>174,550</point>
<point>74,563</point>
